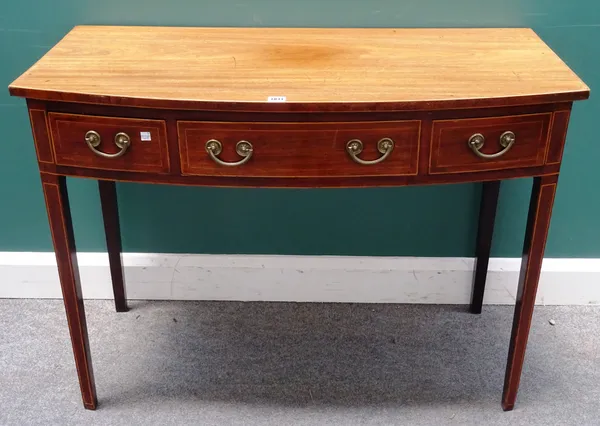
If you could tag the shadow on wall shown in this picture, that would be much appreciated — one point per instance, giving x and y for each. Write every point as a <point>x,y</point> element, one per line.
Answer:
<point>381,221</point>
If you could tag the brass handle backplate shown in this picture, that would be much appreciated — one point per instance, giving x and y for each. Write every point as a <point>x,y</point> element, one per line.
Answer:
<point>355,146</point>
<point>507,140</point>
<point>243,148</point>
<point>122,140</point>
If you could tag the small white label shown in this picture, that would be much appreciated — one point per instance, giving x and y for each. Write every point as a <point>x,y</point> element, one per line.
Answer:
<point>276,99</point>
<point>145,136</point>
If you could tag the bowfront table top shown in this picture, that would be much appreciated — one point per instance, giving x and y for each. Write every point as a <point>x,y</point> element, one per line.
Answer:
<point>299,107</point>
<point>355,69</point>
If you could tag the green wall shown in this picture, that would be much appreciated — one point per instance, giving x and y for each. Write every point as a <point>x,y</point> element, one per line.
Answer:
<point>423,221</point>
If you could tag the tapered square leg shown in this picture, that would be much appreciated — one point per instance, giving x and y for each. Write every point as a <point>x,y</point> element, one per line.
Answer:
<point>59,217</point>
<point>485,232</point>
<point>538,222</point>
<point>112,230</point>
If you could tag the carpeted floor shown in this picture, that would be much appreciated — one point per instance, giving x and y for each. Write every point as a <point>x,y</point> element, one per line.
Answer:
<point>230,363</point>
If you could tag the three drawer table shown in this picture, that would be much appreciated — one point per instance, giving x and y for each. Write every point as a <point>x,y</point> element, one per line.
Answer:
<point>256,107</point>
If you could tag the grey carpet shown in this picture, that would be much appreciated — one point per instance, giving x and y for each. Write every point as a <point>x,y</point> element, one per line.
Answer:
<point>230,363</point>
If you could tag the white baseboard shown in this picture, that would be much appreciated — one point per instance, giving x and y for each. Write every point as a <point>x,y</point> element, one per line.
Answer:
<point>300,278</point>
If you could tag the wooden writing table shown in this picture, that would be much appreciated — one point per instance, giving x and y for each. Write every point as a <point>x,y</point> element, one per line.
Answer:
<point>262,107</point>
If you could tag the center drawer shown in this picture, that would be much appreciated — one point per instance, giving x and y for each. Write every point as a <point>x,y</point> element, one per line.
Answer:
<point>299,149</point>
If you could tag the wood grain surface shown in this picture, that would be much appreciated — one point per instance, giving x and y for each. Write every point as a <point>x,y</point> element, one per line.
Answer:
<point>319,69</point>
<point>68,140</point>
<point>63,239</point>
<point>300,149</point>
<point>450,151</point>
<point>536,233</point>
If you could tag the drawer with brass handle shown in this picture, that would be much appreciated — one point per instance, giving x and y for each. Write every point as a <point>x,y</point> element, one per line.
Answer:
<point>299,149</point>
<point>480,144</point>
<point>109,143</point>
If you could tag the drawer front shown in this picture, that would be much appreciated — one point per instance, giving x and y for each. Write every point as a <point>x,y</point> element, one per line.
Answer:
<point>480,144</point>
<point>299,149</point>
<point>128,144</point>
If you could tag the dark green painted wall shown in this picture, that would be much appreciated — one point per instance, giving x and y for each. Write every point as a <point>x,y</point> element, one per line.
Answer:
<point>425,221</point>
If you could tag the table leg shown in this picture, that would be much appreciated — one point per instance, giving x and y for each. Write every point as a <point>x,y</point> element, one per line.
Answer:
<point>112,230</point>
<point>59,217</point>
<point>538,222</point>
<point>485,231</point>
